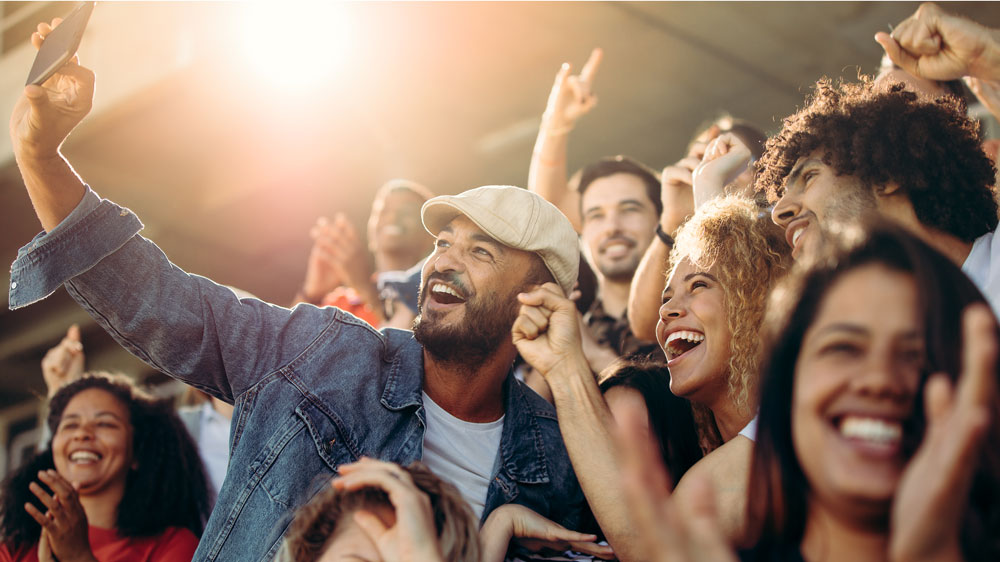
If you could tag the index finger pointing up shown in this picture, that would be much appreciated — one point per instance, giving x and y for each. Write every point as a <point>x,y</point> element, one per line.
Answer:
<point>589,69</point>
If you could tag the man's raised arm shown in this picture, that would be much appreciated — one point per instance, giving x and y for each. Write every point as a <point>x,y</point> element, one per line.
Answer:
<point>936,45</point>
<point>42,119</point>
<point>644,297</point>
<point>569,100</point>
<point>547,336</point>
<point>181,324</point>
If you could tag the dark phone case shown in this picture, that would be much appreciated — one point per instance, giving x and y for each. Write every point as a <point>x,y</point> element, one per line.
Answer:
<point>60,45</point>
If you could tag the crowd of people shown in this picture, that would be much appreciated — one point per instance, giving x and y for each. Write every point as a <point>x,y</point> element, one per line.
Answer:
<point>780,348</point>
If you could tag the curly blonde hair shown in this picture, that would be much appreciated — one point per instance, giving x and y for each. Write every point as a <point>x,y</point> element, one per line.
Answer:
<point>750,251</point>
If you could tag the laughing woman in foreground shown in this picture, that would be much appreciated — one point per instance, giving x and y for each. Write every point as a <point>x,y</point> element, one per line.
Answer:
<point>879,428</point>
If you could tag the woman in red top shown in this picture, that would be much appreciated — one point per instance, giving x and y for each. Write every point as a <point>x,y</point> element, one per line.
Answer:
<point>120,480</point>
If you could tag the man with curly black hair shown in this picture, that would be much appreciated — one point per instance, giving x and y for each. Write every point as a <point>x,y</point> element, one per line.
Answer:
<point>863,148</point>
<point>875,147</point>
<point>860,147</point>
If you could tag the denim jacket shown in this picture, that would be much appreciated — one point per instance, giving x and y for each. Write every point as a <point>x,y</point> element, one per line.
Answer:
<point>313,387</point>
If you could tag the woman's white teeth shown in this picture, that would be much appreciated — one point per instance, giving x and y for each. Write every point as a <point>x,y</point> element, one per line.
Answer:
<point>797,235</point>
<point>84,456</point>
<point>439,288</point>
<point>693,337</point>
<point>682,341</point>
<point>871,429</point>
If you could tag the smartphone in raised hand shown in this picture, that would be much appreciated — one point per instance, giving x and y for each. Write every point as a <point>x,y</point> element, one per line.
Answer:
<point>60,44</point>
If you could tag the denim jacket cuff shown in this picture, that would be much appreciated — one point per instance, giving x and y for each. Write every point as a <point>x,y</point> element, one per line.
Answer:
<point>96,228</point>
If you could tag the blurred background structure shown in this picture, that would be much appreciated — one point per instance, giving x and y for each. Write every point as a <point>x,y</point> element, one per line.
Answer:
<point>229,127</point>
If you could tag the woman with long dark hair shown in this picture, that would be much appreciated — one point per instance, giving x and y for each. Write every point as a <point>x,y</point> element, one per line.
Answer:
<point>879,425</point>
<point>120,479</point>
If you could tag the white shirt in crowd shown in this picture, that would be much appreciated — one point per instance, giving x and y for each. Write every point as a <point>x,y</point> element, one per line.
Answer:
<point>213,444</point>
<point>750,430</point>
<point>461,453</point>
<point>983,267</point>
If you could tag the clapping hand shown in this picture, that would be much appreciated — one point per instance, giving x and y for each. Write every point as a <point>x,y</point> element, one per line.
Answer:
<point>64,523</point>
<point>338,257</point>
<point>933,492</point>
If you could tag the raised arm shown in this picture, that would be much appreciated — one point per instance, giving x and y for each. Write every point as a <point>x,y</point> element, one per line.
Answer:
<point>936,45</point>
<point>42,119</point>
<point>63,363</point>
<point>725,159</point>
<point>181,324</point>
<point>547,336</point>
<point>711,165</point>
<point>570,99</point>
<point>647,283</point>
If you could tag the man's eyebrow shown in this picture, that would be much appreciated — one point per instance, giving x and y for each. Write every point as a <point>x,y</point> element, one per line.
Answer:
<point>631,202</point>
<point>797,170</point>
<point>486,239</point>
<point>621,203</point>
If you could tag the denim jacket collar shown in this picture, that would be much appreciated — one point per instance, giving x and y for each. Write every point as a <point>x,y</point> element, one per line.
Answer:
<point>522,447</point>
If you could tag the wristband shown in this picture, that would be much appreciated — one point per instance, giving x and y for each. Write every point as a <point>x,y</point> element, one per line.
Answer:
<point>664,237</point>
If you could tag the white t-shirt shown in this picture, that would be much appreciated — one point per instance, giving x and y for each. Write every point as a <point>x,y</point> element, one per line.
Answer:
<point>213,445</point>
<point>750,431</point>
<point>461,453</point>
<point>983,267</point>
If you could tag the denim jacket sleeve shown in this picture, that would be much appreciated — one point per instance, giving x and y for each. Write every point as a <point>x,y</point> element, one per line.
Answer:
<point>182,324</point>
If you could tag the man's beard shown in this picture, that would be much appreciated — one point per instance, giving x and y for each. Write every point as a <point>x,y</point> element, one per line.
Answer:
<point>854,200</point>
<point>485,325</point>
